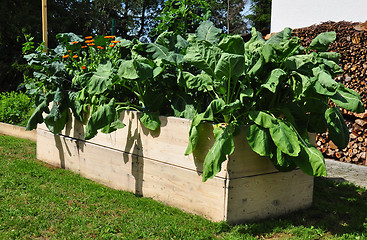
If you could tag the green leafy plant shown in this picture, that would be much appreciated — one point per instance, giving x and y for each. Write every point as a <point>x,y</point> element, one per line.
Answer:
<point>15,108</point>
<point>277,88</point>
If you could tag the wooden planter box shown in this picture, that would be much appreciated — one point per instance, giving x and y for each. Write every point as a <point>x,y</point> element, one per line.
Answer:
<point>153,164</point>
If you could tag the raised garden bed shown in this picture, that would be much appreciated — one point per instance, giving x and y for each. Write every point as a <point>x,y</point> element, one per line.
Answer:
<point>153,164</point>
<point>17,131</point>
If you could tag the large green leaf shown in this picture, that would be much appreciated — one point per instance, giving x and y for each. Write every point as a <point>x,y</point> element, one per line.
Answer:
<point>150,120</point>
<point>117,124</point>
<point>232,44</point>
<point>214,107</point>
<point>259,140</point>
<point>183,106</point>
<point>348,99</point>
<point>281,161</point>
<point>155,50</point>
<point>104,116</point>
<point>133,69</point>
<point>208,32</point>
<point>36,116</point>
<point>100,80</point>
<point>127,70</point>
<point>200,82</point>
<point>229,65</point>
<point>56,120</point>
<point>338,130</point>
<point>322,41</point>
<point>285,138</point>
<point>274,79</point>
<point>203,56</point>
<point>222,147</point>
<point>263,119</point>
<point>310,160</point>
<point>280,37</point>
<point>301,63</point>
<point>328,84</point>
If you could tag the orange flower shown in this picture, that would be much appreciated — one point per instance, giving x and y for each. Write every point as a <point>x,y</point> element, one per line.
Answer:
<point>84,46</point>
<point>65,56</point>
<point>75,56</point>
<point>91,44</point>
<point>88,37</point>
<point>115,41</point>
<point>89,41</point>
<point>112,45</point>
<point>109,36</point>
<point>99,47</point>
<point>83,67</point>
<point>74,42</point>
<point>69,50</point>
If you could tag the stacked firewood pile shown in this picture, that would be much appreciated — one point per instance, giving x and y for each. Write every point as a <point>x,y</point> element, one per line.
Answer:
<point>351,43</point>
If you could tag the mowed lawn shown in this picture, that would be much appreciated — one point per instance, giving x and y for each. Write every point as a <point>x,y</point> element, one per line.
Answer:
<point>42,202</point>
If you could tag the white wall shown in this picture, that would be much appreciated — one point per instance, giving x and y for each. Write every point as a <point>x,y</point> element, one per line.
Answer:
<point>304,13</point>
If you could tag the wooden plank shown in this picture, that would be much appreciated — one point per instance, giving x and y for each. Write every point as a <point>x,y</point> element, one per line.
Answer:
<point>268,195</point>
<point>57,150</point>
<point>124,139</point>
<point>110,167</point>
<point>183,188</point>
<point>169,143</point>
<point>44,22</point>
<point>17,131</point>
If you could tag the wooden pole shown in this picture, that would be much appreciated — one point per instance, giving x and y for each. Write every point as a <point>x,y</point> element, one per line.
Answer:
<point>44,23</point>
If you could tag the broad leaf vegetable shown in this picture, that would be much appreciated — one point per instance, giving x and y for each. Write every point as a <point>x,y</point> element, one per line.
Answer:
<point>280,90</point>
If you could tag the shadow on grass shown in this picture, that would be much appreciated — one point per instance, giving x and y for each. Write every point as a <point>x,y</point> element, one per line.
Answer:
<point>338,208</point>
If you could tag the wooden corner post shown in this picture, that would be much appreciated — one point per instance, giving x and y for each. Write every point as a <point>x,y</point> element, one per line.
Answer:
<point>44,23</point>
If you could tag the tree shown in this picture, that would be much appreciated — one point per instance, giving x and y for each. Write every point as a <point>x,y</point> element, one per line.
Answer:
<point>229,15</point>
<point>261,15</point>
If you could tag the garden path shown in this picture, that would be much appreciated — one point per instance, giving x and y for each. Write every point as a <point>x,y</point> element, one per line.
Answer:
<point>340,171</point>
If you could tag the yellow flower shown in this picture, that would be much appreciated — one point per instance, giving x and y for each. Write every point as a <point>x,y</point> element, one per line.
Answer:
<point>75,56</point>
<point>115,41</point>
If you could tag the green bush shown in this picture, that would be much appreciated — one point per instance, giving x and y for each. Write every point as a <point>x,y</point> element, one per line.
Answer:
<point>15,108</point>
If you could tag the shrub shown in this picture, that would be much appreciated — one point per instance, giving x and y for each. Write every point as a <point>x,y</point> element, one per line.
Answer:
<point>15,108</point>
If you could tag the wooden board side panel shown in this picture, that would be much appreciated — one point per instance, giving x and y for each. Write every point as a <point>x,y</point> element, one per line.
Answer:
<point>183,188</point>
<point>268,195</point>
<point>110,167</point>
<point>17,131</point>
<point>57,150</point>
<point>169,143</point>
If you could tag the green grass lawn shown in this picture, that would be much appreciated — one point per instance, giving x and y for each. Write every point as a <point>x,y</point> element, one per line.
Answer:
<point>41,202</point>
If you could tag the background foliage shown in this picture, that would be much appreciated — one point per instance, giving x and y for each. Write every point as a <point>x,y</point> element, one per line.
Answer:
<point>133,19</point>
<point>15,108</point>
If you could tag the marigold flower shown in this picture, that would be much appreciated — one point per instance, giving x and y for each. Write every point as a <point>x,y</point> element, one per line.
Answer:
<point>65,56</point>
<point>115,41</point>
<point>75,56</point>
<point>99,47</point>
<point>83,67</point>
<point>109,36</point>
<point>74,42</point>
<point>89,41</point>
<point>84,46</point>
<point>91,44</point>
<point>112,45</point>
<point>69,50</point>
<point>88,37</point>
